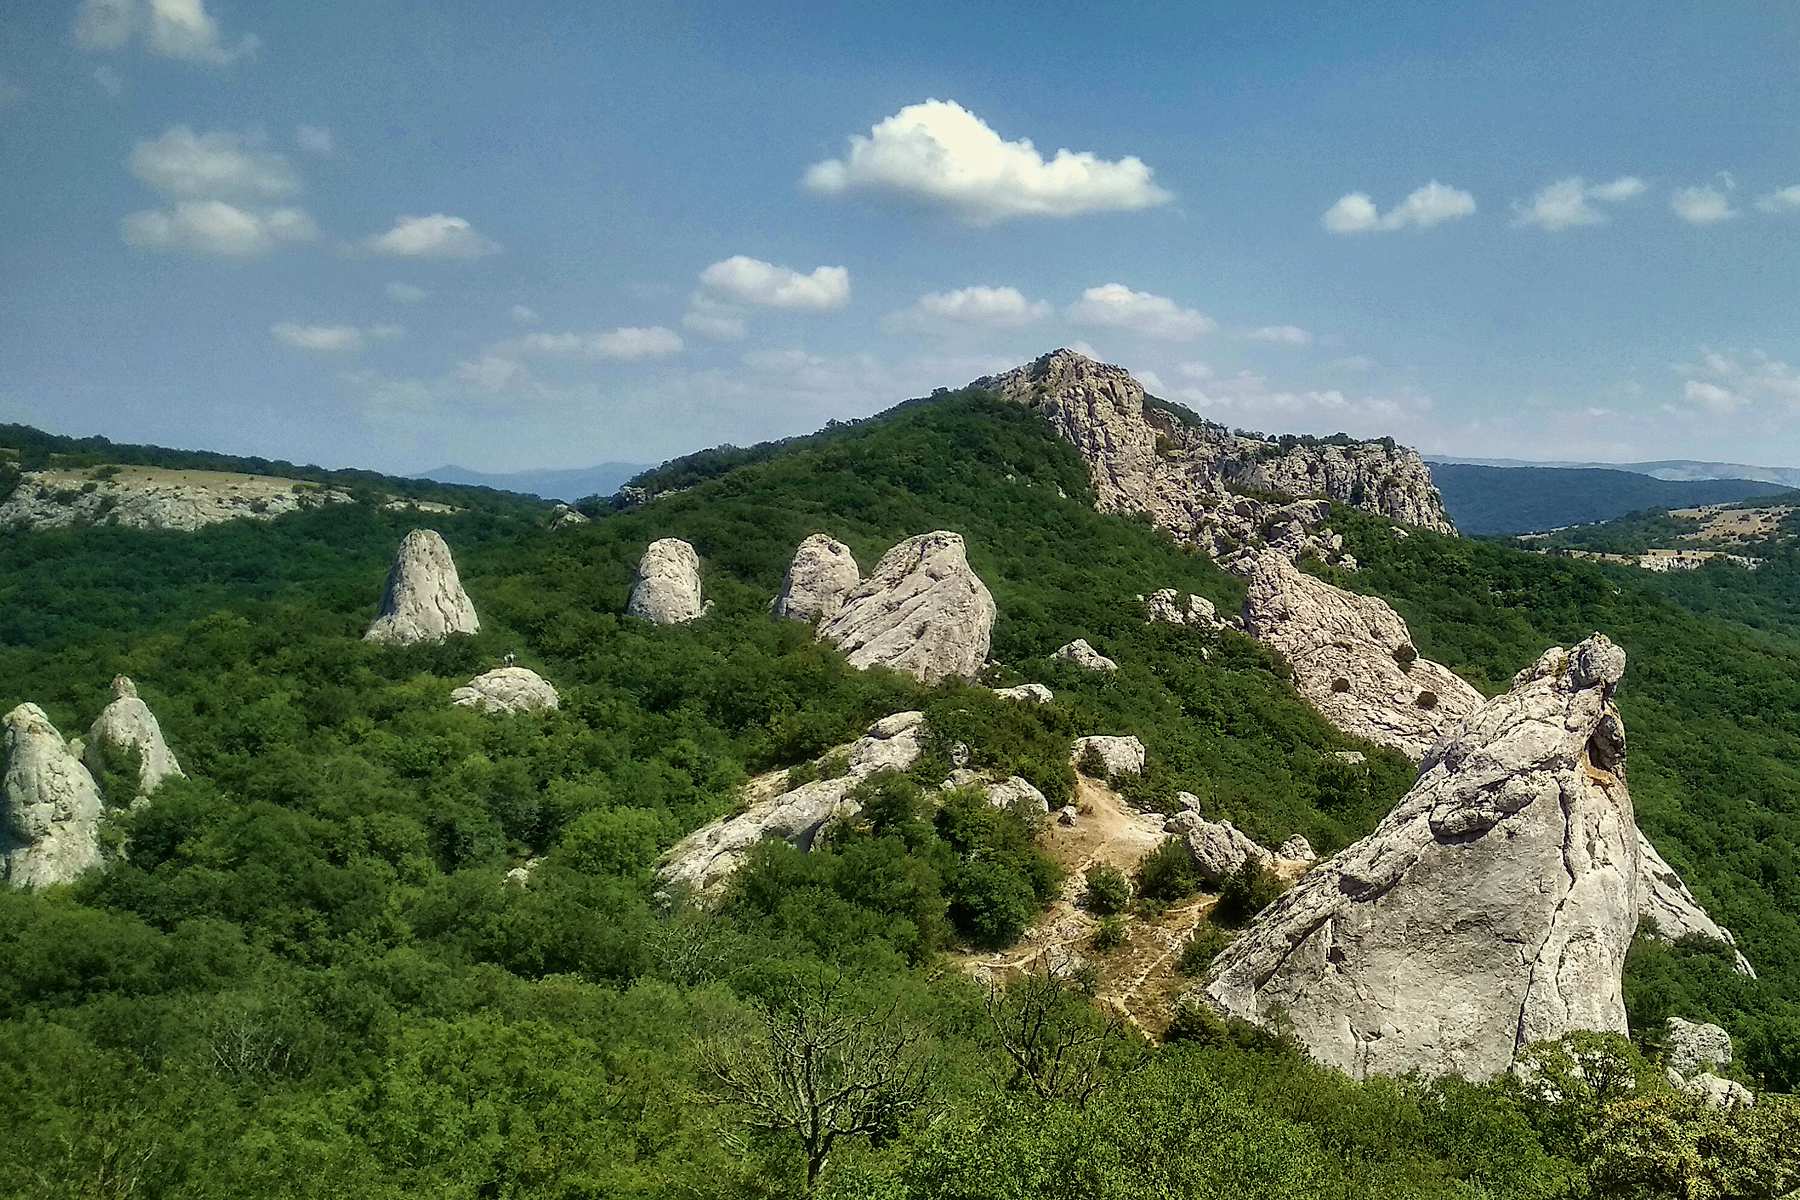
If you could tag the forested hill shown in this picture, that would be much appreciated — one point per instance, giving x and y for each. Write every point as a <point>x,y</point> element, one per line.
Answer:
<point>309,977</point>
<point>1488,500</point>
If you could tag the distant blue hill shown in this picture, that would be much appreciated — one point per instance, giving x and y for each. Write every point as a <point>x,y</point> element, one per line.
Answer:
<point>1488,499</point>
<point>570,485</point>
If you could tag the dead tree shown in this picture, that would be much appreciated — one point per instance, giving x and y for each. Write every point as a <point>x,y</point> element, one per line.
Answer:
<point>820,1071</point>
<point>1060,1048</point>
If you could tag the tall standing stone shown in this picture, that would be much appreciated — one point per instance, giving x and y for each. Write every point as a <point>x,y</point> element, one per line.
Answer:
<point>49,805</point>
<point>424,600</point>
<point>922,611</point>
<point>821,577</point>
<point>667,588</point>
<point>128,725</point>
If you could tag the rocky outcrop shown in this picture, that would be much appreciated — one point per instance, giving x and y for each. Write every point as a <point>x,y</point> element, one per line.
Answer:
<point>1084,656</point>
<point>49,805</point>
<point>1001,793</point>
<point>1491,909</point>
<point>1027,693</point>
<point>1180,471</point>
<point>1720,1093</point>
<point>1117,755</point>
<point>1220,850</point>
<point>1669,911</point>
<point>155,498</point>
<point>507,690</point>
<point>821,577</point>
<point>1297,849</point>
<point>1354,658</point>
<point>128,726</point>
<point>1166,607</point>
<point>703,862</point>
<point>922,610</point>
<point>666,589</point>
<point>1690,1047</point>
<point>424,600</point>
<point>567,516</point>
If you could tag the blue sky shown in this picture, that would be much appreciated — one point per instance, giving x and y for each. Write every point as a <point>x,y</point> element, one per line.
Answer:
<point>395,234</point>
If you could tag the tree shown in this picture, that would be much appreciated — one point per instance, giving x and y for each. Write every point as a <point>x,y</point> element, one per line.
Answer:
<point>1060,1047</point>
<point>819,1070</point>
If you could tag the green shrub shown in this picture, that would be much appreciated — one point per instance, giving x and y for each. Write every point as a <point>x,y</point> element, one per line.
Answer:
<point>1427,700</point>
<point>1108,891</point>
<point>1340,686</point>
<point>1092,762</point>
<point>1110,935</point>
<point>835,765</point>
<point>1206,943</point>
<point>1167,872</point>
<point>1246,892</point>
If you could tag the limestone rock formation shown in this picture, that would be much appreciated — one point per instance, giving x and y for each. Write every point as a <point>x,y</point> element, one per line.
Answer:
<point>1219,849</point>
<point>1028,693</point>
<point>1691,1047</point>
<point>1354,658</point>
<point>666,590</point>
<point>1670,912</point>
<point>424,600</point>
<point>1491,909</point>
<point>567,516</point>
<point>704,861</point>
<point>1001,793</point>
<point>507,690</point>
<point>1720,1093</point>
<point>1165,606</point>
<point>137,497</point>
<point>49,805</point>
<point>1119,755</point>
<point>1297,849</point>
<point>127,724</point>
<point>922,610</point>
<point>819,579</point>
<point>1084,656</point>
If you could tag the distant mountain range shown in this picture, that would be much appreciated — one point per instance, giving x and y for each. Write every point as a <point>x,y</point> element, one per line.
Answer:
<point>1487,499</point>
<point>1672,469</point>
<point>572,484</point>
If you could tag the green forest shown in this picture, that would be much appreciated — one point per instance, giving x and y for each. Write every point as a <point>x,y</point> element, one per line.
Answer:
<point>306,975</point>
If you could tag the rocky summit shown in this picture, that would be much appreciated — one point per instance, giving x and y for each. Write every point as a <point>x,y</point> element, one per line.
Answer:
<point>49,805</point>
<point>127,725</point>
<point>922,610</point>
<point>424,599</point>
<point>1492,908</point>
<point>666,589</point>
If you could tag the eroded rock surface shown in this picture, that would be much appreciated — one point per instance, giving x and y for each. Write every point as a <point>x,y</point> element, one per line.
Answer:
<point>1491,909</point>
<point>922,610</point>
<point>135,497</point>
<point>1027,693</point>
<point>1084,656</point>
<point>704,861</point>
<point>1165,606</point>
<point>1691,1047</point>
<point>49,805</point>
<point>1118,755</point>
<point>819,580</point>
<point>667,589</point>
<point>127,725</point>
<point>1220,849</point>
<point>1354,658</point>
<point>424,600</point>
<point>507,690</point>
<point>1001,793</point>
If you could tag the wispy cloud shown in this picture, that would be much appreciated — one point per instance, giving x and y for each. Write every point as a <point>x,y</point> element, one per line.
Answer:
<point>1433,204</point>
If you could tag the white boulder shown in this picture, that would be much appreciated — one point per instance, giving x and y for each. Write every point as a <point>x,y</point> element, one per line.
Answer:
<point>819,579</point>
<point>424,600</point>
<point>507,690</point>
<point>1084,656</point>
<point>1118,755</point>
<point>666,590</point>
<point>128,725</point>
<point>1027,693</point>
<point>922,611</point>
<point>49,805</point>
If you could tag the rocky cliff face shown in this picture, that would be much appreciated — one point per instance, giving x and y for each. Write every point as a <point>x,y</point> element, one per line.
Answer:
<point>424,599</point>
<point>1146,459</point>
<point>127,724</point>
<point>667,588</point>
<point>1491,909</point>
<point>49,805</point>
<point>922,610</point>
<point>155,498</point>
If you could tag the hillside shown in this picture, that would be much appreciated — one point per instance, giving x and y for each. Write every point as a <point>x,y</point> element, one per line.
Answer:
<point>309,977</point>
<point>1522,499</point>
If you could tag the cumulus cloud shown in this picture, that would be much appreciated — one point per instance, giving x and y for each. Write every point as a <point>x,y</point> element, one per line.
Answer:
<point>978,307</point>
<point>435,236</point>
<point>217,165</point>
<point>940,155</point>
<point>628,343</point>
<point>214,227</point>
<point>1353,363</point>
<point>1248,399</point>
<point>1705,205</point>
<point>1574,201</point>
<point>1433,204</point>
<point>315,139</point>
<point>1724,382</point>
<point>180,29</point>
<point>1116,306</point>
<point>1786,200</point>
<point>1281,335</point>
<point>406,293</point>
<point>747,280</point>
<point>330,339</point>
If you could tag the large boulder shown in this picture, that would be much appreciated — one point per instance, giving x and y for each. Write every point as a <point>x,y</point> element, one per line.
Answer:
<point>1353,658</point>
<point>666,590</point>
<point>703,862</point>
<point>1491,909</point>
<point>1117,755</point>
<point>1084,656</point>
<point>1220,849</point>
<point>507,690</point>
<point>49,805</point>
<point>1166,607</point>
<point>128,726</point>
<point>821,577</point>
<point>922,611</point>
<point>424,600</point>
<point>1027,693</point>
<point>1001,793</point>
<point>1690,1047</point>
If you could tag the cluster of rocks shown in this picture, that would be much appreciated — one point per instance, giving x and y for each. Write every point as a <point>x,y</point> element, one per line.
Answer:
<point>1166,607</point>
<point>150,498</point>
<point>50,801</point>
<point>922,610</point>
<point>1187,475</point>
<point>1693,1054</point>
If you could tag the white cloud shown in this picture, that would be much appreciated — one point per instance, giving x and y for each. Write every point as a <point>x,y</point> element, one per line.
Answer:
<point>1713,398</point>
<point>1786,200</point>
<point>324,339</point>
<point>435,236</point>
<point>939,154</point>
<point>1281,335</point>
<point>315,139</point>
<point>1116,306</point>
<point>1573,201</point>
<point>978,307</point>
<point>110,81</point>
<point>181,29</point>
<point>522,314</point>
<point>628,343</point>
<point>1726,382</point>
<point>748,280</point>
<point>216,228</point>
<point>1153,383</point>
<point>1430,205</point>
<point>1354,363</point>
<point>491,372</point>
<point>217,165</point>
<point>1706,205</point>
<point>406,293</point>
<point>713,321</point>
<point>1247,399</point>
